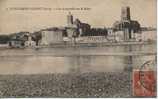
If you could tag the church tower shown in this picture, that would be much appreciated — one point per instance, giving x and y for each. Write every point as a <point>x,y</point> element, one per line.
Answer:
<point>69,19</point>
<point>125,14</point>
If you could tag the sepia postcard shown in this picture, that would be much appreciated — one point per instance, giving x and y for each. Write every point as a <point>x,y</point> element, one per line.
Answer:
<point>78,48</point>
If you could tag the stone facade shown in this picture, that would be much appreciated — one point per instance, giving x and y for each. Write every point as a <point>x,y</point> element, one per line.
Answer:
<point>51,36</point>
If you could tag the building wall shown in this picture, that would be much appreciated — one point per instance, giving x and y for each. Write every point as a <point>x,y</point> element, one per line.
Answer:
<point>122,36</point>
<point>30,42</point>
<point>92,39</point>
<point>16,43</point>
<point>50,37</point>
<point>119,36</point>
<point>72,31</point>
<point>149,35</point>
<point>111,35</point>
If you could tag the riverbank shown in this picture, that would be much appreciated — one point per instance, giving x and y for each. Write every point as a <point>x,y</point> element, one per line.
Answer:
<point>101,84</point>
<point>89,49</point>
<point>81,45</point>
<point>65,45</point>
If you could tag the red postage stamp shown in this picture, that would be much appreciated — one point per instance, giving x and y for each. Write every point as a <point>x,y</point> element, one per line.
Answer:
<point>144,81</point>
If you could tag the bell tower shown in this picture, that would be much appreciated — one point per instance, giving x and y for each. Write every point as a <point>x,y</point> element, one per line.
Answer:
<point>69,19</point>
<point>125,13</point>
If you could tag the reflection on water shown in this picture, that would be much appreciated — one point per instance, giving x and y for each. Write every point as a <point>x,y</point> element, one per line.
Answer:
<point>29,61</point>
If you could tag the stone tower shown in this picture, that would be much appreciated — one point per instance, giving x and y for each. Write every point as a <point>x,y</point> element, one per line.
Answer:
<point>125,13</point>
<point>69,19</point>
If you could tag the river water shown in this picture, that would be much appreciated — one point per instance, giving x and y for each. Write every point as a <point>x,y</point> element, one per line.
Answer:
<point>80,59</point>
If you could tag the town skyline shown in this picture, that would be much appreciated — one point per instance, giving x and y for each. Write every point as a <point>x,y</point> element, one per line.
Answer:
<point>16,21</point>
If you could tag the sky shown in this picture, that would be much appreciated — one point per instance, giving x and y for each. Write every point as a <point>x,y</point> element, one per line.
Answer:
<point>102,13</point>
